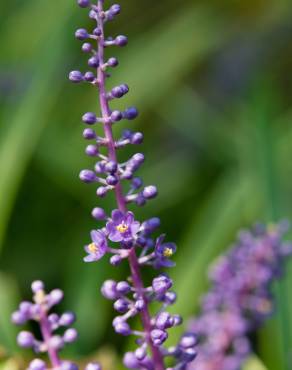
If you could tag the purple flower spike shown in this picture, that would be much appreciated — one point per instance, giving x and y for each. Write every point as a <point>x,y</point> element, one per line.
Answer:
<point>134,242</point>
<point>97,249</point>
<point>122,227</point>
<point>239,299</point>
<point>48,323</point>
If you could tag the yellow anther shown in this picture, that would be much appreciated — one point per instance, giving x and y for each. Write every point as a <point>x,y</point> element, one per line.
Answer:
<point>40,297</point>
<point>92,248</point>
<point>167,252</point>
<point>122,228</point>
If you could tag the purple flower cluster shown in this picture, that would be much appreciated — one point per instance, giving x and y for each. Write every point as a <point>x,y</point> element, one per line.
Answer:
<point>50,342</point>
<point>120,234</point>
<point>240,297</point>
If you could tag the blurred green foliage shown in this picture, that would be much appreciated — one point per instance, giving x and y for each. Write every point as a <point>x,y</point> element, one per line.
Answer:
<point>212,80</point>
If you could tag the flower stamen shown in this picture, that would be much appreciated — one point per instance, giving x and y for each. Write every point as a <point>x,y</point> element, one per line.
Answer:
<point>92,248</point>
<point>122,228</point>
<point>168,252</point>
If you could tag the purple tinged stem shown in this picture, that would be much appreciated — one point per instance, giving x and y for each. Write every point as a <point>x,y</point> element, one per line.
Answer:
<point>47,334</point>
<point>121,201</point>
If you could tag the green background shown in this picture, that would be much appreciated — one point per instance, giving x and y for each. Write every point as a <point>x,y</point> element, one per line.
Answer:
<point>212,81</point>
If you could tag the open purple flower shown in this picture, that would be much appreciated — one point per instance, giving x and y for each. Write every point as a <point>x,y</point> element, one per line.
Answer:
<point>163,251</point>
<point>97,249</point>
<point>122,227</point>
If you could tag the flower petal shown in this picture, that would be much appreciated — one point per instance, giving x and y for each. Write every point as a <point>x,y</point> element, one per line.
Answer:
<point>100,252</point>
<point>117,216</point>
<point>135,226</point>
<point>115,236</point>
<point>90,258</point>
<point>129,218</point>
<point>159,240</point>
<point>97,237</point>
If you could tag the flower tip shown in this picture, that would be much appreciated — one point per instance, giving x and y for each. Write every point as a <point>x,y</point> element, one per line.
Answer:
<point>83,3</point>
<point>37,285</point>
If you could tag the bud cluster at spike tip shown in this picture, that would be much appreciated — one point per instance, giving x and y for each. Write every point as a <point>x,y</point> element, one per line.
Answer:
<point>120,235</point>
<point>49,322</point>
<point>240,297</point>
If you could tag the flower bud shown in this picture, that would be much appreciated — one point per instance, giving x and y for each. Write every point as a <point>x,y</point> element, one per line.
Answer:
<point>98,213</point>
<point>86,47</point>
<point>70,335</point>
<point>149,192</point>
<point>122,327</point>
<point>121,40</point>
<point>161,284</point>
<point>87,176</point>
<point>89,76</point>
<point>67,319</point>
<point>131,113</point>
<point>92,366</point>
<point>19,318</point>
<point>83,3</point>
<point>81,34</point>
<point>37,286</point>
<point>89,118</point>
<point>109,290</point>
<point>76,76</point>
<point>25,339</point>
<point>37,364</point>
<point>112,62</point>
<point>158,336</point>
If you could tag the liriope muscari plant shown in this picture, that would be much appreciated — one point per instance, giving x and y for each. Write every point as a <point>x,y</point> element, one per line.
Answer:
<point>119,233</point>
<point>240,297</point>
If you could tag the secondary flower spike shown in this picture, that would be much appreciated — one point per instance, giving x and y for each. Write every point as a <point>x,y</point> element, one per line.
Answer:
<point>240,297</point>
<point>40,311</point>
<point>119,233</point>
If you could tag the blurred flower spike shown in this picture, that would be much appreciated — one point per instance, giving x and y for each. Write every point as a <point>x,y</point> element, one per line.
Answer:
<point>40,311</point>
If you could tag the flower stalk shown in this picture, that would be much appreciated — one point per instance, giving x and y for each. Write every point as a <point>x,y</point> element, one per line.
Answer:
<point>133,261</point>
<point>123,236</point>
